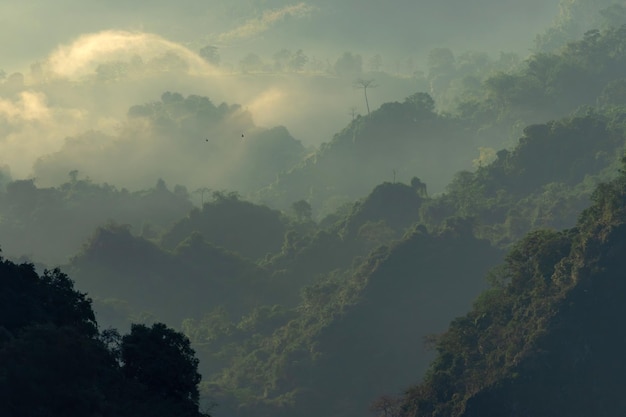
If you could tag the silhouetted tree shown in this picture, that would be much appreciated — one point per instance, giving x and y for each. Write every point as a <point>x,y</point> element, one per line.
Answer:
<point>365,84</point>
<point>302,209</point>
<point>210,54</point>
<point>349,64</point>
<point>162,360</point>
<point>419,187</point>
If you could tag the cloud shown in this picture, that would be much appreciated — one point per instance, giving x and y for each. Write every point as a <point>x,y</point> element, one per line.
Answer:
<point>265,105</point>
<point>83,56</point>
<point>29,127</point>
<point>254,27</point>
<point>78,97</point>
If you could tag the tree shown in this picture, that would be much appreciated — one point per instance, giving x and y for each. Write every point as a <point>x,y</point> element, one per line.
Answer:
<point>365,84</point>
<point>440,60</point>
<point>210,54</point>
<point>251,62</point>
<point>201,191</point>
<point>419,187</point>
<point>281,58</point>
<point>302,209</point>
<point>349,64</point>
<point>298,60</point>
<point>56,371</point>
<point>162,360</point>
<point>28,299</point>
<point>376,63</point>
<point>386,406</point>
<point>423,102</point>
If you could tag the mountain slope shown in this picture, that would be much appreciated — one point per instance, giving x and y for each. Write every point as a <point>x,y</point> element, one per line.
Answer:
<point>542,341</point>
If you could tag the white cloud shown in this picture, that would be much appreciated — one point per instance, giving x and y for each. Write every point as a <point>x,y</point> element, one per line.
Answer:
<point>82,56</point>
<point>254,27</point>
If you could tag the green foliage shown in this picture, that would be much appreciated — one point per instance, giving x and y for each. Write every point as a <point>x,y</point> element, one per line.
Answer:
<point>545,181</point>
<point>115,264</point>
<point>54,362</point>
<point>540,340</point>
<point>278,361</point>
<point>211,54</point>
<point>56,371</point>
<point>26,298</point>
<point>51,224</point>
<point>249,229</point>
<point>286,312</point>
<point>162,360</point>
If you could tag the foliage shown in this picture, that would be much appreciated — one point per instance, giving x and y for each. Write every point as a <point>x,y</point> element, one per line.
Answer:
<point>54,362</point>
<point>251,230</point>
<point>51,224</point>
<point>162,360</point>
<point>540,339</point>
<point>277,361</point>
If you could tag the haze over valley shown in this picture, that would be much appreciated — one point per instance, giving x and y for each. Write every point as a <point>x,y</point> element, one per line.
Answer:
<point>269,208</point>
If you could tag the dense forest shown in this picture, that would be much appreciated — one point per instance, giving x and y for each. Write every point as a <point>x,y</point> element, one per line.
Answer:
<point>56,361</point>
<point>452,251</point>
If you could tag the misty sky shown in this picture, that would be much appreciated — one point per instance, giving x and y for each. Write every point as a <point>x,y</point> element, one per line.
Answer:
<point>96,59</point>
<point>29,31</point>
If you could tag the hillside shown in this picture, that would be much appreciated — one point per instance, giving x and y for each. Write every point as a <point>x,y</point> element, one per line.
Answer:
<point>489,112</point>
<point>310,359</point>
<point>321,281</point>
<point>541,340</point>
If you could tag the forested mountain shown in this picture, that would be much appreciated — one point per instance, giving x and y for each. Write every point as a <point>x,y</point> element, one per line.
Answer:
<point>309,360</point>
<point>205,145</point>
<point>411,138</point>
<point>576,17</point>
<point>54,361</point>
<point>541,340</point>
<point>133,276</point>
<point>311,281</point>
<point>49,225</point>
<point>302,317</point>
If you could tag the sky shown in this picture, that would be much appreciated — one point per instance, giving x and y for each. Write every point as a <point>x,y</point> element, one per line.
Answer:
<point>77,66</point>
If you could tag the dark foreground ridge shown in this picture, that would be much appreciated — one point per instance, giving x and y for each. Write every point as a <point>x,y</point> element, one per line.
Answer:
<point>55,362</point>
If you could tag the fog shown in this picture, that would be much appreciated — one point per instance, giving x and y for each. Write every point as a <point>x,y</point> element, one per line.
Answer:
<point>83,73</point>
<point>311,192</point>
<point>229,95</point>
<point>319,27</point>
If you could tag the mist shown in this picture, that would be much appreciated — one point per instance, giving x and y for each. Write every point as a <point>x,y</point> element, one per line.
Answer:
<point>338,208</point>
<point>82,75</point>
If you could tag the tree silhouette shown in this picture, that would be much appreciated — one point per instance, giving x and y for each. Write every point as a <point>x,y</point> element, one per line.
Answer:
<point>201,191</point>
<point>365,84</point>
<point>302,210</point>
<point>210,54</point>
<point>162,360</point>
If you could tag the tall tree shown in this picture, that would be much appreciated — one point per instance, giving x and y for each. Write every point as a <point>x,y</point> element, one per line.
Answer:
<point>162,360</point>
<point>365,84</point>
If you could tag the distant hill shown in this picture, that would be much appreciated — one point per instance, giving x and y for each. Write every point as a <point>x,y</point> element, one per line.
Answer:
<point>131,272</point>
<point>353,335</point>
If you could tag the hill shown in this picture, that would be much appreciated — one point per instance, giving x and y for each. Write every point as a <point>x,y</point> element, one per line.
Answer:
<point>540,341</point>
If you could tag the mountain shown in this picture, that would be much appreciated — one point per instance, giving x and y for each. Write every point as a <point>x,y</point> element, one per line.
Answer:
<point>128,272</point>
<point>340,346</point>
<point>541,340</point>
